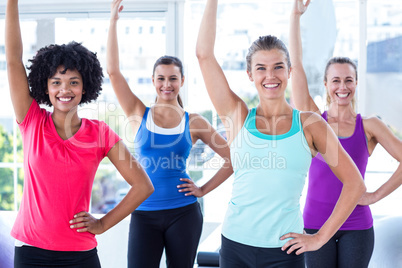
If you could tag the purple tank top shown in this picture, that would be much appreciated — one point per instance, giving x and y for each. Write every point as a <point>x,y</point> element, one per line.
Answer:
<point>324,187</point>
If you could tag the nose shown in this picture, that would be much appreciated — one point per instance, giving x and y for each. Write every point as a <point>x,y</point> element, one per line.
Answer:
<point>166,83</point>
<point>343,85</point>
<point>270,73</point>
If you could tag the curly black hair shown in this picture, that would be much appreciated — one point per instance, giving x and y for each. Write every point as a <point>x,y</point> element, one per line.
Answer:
<point>73,56</point>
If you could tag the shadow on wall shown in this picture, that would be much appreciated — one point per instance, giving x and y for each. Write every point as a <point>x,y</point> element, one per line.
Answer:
<point>6,243</point>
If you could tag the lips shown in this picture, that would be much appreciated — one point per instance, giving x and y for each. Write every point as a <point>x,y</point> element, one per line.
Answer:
<point>271,86</point>
<point>342,95</point>
<point>65,99</point>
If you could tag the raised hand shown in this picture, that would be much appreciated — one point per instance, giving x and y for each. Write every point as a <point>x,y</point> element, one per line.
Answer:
<point>299,7</point>
<point>115,9</point>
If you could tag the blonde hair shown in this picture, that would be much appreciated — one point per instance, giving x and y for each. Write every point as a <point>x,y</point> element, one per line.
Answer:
<point>340,60</point>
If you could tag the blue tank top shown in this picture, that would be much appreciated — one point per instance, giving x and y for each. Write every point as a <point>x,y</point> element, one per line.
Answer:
<point>163,154</point>
<point>269,176</point>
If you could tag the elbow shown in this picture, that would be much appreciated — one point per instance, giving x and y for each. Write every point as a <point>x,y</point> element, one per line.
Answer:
<point>202,54</point>
<point>111,71</point>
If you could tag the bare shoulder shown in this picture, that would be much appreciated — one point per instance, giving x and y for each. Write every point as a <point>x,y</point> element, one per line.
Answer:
<point>372,122</point>
<point>374,127</point>
<point>197,121</point>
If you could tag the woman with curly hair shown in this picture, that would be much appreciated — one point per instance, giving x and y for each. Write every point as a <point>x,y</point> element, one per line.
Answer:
<point>62,153</point>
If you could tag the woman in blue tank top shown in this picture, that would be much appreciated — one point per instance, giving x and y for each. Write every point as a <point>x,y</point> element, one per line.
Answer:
<point>353,244</point>
<point>170,219</point>
<point>271,150</point>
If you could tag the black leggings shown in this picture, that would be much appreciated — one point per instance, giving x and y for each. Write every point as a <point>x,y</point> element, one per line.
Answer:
<point>237,255</point>
<point>345,249</point>
<point>177,231</point>
<point>33,257</point>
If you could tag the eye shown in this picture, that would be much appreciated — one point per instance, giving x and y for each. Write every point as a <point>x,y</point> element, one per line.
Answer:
<point>161,79</point>
<point>55,83</point>
<point>261,69</point>
<point>74,83</point>
<point>335,81</point>
<point>278,67</point>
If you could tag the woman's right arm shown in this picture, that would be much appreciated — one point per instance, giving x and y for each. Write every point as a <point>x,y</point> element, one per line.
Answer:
<point>300,94</point>
<point>17,78</point>
<point>131,104</point>
<point>228,105</point>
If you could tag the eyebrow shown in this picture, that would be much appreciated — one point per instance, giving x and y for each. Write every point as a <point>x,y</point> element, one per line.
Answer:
<point>278,63</point>
<point>71,78</point>
<point>169,76</point>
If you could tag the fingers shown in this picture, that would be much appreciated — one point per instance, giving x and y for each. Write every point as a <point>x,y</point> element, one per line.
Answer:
<point>81,221</point>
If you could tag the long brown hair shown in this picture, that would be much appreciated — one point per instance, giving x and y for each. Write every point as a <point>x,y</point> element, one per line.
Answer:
<point>168,60</point>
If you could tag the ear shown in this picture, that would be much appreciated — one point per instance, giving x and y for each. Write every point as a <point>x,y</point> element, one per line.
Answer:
<point>83,92</point>
<point>153,80</point>
<point>250,76</point>
<point>290,72</point>
<point>182,80</point>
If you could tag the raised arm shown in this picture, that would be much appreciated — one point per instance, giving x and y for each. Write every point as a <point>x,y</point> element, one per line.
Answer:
<point>17,78</point>
<point>226,102</point>
<point>378,132</point>
<point>300,94</point>
<point>131,104</point>
<point>321,138</point>
<point>141,189</point>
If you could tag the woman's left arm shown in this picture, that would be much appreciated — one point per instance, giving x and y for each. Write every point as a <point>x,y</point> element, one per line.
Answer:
<point>322,139</point>
<point>202,129</point>
<point>141,189</point>
<point>378,132</point>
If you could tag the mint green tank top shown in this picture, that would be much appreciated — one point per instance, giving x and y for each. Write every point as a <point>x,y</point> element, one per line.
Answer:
<point>269,176</point>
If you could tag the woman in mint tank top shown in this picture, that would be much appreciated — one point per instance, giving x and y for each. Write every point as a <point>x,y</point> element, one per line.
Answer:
<point>271,150</point>
<point>170,219</point>
<point>353,244</point>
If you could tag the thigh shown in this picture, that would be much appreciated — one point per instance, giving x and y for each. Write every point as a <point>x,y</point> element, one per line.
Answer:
<point>235,255</point>
<point>183,235</point>
<point>145,240</point>
<point>276,258</point>
<point>355,248</point>
<point>33,257</point>
<point>326,256</point>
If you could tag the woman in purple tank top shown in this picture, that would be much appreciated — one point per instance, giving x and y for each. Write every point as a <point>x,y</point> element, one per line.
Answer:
<point>353,244</point>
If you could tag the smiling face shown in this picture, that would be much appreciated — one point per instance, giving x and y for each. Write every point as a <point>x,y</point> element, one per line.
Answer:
<point>341,83</point>
<point>167,80</point>
<point>270,73</point>
<point>65,90</point>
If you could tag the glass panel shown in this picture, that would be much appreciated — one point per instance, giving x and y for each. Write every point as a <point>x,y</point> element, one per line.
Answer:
<point>141,42</point>
<point>384,95</point>
<point>6,189</point>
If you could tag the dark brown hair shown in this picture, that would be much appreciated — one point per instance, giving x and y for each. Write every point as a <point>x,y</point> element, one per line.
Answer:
<point>168,60</point>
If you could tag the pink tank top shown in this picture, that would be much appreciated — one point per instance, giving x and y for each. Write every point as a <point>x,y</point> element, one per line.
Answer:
<point>324,187</point>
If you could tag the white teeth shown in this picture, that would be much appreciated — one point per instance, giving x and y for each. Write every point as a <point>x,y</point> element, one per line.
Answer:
<point>342,95</point>
<point>271,85</point>
<point>65,99</point>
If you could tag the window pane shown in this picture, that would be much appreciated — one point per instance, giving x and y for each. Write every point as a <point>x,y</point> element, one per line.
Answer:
<point>141,42</point>
<point>384,94</point>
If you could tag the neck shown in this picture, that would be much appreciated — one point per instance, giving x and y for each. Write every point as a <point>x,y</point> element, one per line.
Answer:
<point>276,107</point>
<point>66,122</point>
<point>341,111</point>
